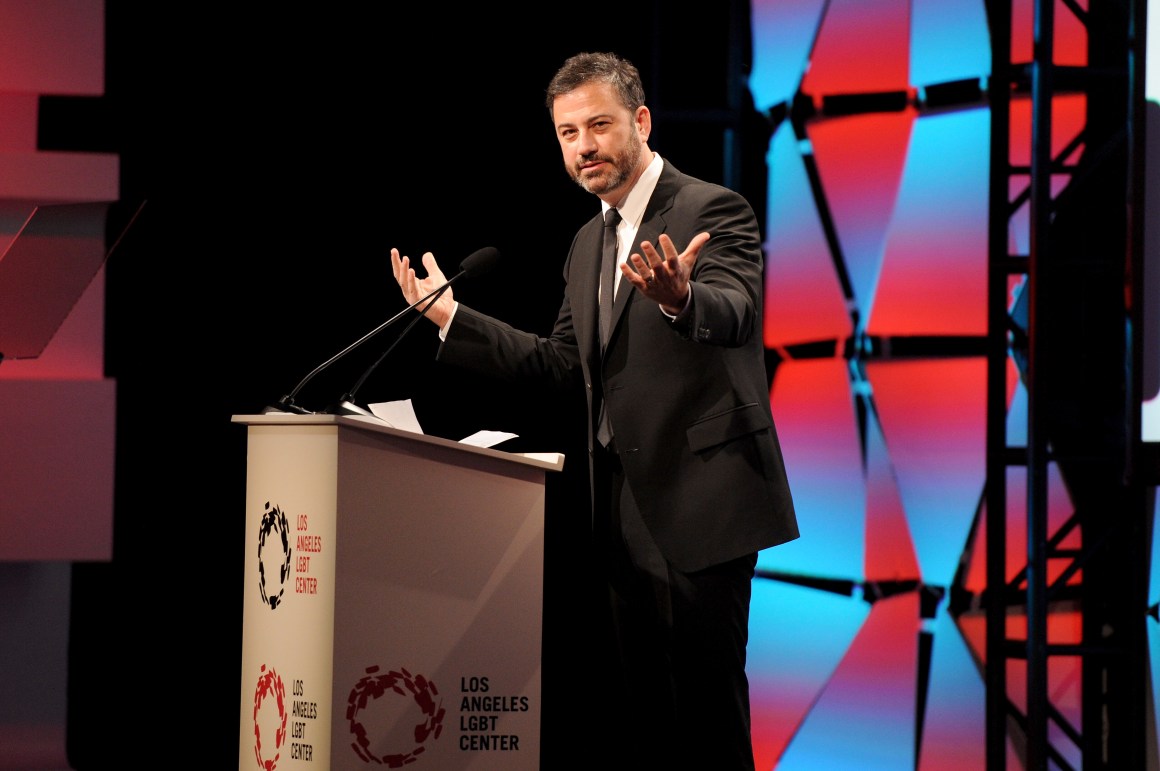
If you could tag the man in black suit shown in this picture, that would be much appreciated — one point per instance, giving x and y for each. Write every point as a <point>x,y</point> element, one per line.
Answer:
<point>688,482</point>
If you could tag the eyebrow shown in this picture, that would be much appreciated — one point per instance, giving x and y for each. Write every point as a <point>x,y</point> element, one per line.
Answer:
<point>601,116</point>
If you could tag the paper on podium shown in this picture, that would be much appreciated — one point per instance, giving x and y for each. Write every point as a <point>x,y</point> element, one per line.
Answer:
<point>487,438</point>
<point>401,414</point>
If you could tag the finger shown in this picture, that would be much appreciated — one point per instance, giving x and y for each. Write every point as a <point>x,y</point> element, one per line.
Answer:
<point>697,242</point>
<point>642,267</point>
<point>402,267</point>
<point>689,256</point>
<point>644,276</point>
<point>631,275</point>
<point>406,277</point>
<point>667,246</point>
<point>432,267</point>
<point>410,280</point>
<point>651,255</point>
<point>665,267</point>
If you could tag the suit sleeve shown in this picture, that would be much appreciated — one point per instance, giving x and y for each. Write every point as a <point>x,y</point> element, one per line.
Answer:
<point>727,276</point>
<point>486,344</point>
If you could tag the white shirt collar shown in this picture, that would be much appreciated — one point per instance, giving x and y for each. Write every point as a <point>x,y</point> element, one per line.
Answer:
<point>632,210</point>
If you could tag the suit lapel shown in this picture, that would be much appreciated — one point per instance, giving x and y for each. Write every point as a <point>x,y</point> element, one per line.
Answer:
<point>586,280</point>
<point>651,226</point>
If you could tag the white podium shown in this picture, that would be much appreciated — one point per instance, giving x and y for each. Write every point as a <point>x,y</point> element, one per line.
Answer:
<point>392,601</point>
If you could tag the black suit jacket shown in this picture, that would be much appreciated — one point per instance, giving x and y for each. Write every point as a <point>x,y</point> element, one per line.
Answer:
<point>688,400</point>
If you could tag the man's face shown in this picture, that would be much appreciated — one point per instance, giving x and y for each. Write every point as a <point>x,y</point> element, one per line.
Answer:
<point>600,139</point>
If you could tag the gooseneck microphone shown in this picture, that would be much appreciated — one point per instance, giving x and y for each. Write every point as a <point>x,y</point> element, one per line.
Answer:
<point>348,405</point>
<point>475,264</point>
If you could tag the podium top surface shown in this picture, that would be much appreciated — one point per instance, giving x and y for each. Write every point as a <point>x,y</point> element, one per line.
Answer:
<point>552,461</point>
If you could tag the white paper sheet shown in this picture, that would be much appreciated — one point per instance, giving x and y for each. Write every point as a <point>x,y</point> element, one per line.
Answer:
<point>487,438</point>
<point>401,414</point>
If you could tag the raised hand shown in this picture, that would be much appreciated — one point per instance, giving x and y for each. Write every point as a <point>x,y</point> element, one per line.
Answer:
<point>415,288</point>
<point>663,277</point>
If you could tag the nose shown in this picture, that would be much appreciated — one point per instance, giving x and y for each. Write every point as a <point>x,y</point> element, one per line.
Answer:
<point>586,142</point>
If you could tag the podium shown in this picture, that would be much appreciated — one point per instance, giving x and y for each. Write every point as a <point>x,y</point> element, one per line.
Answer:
<point>393,597</point>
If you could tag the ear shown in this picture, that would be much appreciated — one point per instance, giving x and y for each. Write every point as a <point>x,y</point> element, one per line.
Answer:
<point>643,121</point>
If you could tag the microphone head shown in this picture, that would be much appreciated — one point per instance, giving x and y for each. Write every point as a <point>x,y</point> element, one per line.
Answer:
<point>479,262</point>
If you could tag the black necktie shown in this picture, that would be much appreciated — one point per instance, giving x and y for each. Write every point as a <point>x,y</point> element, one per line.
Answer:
<point>607,291</point>
<point>608,274</point>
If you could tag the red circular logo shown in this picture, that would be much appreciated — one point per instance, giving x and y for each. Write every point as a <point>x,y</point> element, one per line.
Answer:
<point>270,684</point>
<point>421,690</point>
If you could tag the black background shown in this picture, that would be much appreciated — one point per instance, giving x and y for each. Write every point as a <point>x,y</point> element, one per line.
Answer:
<point>282,152</point>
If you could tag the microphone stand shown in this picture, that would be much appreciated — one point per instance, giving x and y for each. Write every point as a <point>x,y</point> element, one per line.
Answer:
<point>347,404</point>
<point>286,403</point>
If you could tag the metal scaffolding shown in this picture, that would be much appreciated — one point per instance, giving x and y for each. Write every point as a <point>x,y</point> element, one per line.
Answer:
<point>1061,314</point>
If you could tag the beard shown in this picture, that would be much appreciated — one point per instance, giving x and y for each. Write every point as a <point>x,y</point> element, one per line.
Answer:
<point>619,169</point>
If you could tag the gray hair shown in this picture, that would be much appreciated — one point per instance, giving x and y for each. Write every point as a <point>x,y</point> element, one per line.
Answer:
<point>608,68</point>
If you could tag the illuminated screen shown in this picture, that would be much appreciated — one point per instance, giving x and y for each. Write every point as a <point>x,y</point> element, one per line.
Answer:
<point>1150,408</point>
